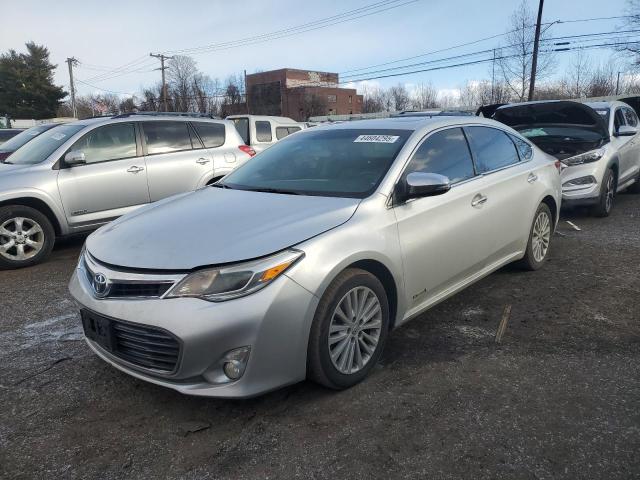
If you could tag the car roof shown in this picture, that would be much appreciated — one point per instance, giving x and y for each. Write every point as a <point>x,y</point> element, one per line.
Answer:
<point>413,123</point>
<point>272,118</point>
<point>141,118</point>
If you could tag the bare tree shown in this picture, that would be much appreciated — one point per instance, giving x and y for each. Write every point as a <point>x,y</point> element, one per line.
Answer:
<point>577,76</point>
<point>180,75</point>
<point>514,59</point>
<point>425,96</point>
<point>400,97</point>
<point>602,81</point>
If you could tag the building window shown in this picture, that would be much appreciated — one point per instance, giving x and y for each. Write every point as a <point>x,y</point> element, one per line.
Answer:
<point>350,99</point>
<point>332,98</point>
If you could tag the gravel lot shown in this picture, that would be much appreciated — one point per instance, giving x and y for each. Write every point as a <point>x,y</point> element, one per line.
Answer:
<point>558,398</point>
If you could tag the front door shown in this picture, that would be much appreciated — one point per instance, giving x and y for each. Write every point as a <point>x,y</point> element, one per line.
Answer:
<point>628,146</point>
<point>113,180</point>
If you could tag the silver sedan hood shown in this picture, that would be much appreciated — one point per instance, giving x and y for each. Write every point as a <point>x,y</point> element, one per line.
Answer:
<point>215,226</point>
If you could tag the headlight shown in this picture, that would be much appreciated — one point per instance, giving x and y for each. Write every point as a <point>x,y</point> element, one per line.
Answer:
<point>225,283</point>
<point>586,157</point>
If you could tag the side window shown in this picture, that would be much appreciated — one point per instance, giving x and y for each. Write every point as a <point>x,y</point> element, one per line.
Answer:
<point>242,126</point>
<point>445,152</point>
<point>618,119</point>
<point>281,132</point>
<point>111,142</point>
<point>630,117</point>
<point>263,131</point>
<point>492,148</point>
<point>166,137</point>
<point>294,130</point>
<point>524,149</point>
<point>212,134</point>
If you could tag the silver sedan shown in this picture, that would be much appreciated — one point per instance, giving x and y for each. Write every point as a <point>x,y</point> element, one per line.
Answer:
<point>300,263</point>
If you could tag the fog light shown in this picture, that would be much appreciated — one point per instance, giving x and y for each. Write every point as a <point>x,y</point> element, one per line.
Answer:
<point>233,369</point>
<point>235,362</point>
<point>577,182</point>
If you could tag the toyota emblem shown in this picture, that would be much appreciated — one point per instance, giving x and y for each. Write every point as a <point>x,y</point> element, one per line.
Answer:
<point>100,285</point>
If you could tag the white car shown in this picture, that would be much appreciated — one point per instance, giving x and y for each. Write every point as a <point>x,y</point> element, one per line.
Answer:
<point>597,143</point>
<point>262,131</point>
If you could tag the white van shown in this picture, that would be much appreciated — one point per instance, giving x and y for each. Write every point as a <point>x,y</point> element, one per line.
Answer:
<point>262,131</point>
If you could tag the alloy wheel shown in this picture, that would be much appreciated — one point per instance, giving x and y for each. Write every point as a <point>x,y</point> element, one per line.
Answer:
<point>354,331</point>
<point>541,236</point>
<point>20,239</point>
<point>610,191</point>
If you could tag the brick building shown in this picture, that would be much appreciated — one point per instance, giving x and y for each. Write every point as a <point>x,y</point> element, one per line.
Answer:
<point>299,94</point>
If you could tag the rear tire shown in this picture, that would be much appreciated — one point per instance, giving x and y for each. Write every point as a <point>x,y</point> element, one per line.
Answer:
<point>539,239</point>
<point>607,195</point>
<point>26,237</point>
<point>349,330</point>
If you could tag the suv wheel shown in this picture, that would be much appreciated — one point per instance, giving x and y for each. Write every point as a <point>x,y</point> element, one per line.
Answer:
<point>539,239</point>
<point>349,330</point>
<point>26,237</point>
<point>607,195</point>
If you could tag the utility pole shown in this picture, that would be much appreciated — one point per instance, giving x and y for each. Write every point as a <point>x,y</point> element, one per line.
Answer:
<point>162,69</point>
<point>534,60</point>
<point>246,93</point>
<point>71,62</point>
<point>493,76</point>
<point>618,83</point>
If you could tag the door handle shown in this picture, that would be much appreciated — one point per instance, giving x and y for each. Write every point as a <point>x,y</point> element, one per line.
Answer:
<point>532,178</point>
<point>478,201</point>
<point>202,161</point>
<point>135,169</point>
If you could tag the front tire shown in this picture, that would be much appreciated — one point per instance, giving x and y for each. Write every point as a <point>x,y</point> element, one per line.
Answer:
<point>26,237</point>
<point>349,330</point>
<point>607,195</point>
<point>539,239</point>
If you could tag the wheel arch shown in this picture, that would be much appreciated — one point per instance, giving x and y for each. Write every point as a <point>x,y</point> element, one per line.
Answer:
<point>37,204</point>
<point>550,202</point>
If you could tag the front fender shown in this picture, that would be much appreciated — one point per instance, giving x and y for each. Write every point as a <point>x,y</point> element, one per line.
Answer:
<point>53,204</point>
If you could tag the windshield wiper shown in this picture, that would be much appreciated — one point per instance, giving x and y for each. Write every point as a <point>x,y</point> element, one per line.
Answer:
<point>220,185</point>
<point>272,190</point>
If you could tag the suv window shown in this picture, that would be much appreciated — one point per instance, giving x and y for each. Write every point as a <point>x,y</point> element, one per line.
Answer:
<point>493,148</point>
<point>212,134</point>
<point>282,132</point>
<point>630,117</point>
<point>165,137</point>
<point>242,126</point>
<point>618,120</point>
<point>445,152</point>
<point>111,142</point>
<point>263,131</point>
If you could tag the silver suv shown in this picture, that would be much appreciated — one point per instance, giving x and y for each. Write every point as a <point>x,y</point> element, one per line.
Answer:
<point>83,174</point>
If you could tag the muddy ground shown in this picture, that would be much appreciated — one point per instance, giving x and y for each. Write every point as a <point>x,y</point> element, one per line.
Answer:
<point>558,398</point>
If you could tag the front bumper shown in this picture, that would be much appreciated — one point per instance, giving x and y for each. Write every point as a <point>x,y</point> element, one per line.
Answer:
<point>586,194</point>
<point>274,322</point>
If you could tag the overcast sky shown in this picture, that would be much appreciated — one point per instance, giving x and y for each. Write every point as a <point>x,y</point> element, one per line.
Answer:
<point>107,35</point>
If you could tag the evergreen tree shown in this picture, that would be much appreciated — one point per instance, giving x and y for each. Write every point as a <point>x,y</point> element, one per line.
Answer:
<point>26,84</point>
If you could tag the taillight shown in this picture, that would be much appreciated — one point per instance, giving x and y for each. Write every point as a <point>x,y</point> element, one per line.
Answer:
<point>248,150</point>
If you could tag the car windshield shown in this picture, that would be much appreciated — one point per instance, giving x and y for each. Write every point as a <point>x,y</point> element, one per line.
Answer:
<point>555,132</point>
<point>38,149</point>
<point>334,162</point>
<point>19,140</point>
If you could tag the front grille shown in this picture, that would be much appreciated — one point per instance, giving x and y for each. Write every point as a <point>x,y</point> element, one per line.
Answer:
<point>119,290</point>
<point>146,346</point>
<point>131,289</point>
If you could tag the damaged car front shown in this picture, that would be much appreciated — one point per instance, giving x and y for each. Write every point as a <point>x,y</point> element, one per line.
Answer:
<point>578,136</point>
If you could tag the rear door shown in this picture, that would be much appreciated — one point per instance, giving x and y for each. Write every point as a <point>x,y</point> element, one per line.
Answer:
<point>112,182</point>
<point>214,137</point>
<point>176,158</point>
<point>509,190</point>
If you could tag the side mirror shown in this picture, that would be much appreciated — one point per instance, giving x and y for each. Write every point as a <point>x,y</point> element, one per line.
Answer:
<point>626,131</point>
<point>419,184</point>
<point>74,157</point>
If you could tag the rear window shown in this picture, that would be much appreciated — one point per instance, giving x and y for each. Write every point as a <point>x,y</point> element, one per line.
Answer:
<point>212,134</point>
<point>282,132</point>
<point>263,131</point>
<point>166,137</point>
<point>242,126</point>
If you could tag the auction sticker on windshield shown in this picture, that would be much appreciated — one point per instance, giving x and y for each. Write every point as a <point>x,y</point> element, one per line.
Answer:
<point>376,139</point>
